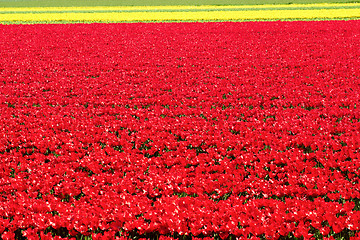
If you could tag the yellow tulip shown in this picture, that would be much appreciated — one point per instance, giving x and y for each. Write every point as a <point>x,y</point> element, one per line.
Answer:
<point>180,13</point>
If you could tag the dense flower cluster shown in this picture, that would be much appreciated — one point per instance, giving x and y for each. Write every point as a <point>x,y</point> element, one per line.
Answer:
<point>180,129</point>
<point>179,13</point>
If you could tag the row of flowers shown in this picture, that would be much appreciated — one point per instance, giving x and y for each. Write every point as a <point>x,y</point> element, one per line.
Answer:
<point>181,130</point>
<point>180,13</point>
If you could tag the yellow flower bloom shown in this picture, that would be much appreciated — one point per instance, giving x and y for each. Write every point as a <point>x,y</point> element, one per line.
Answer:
<point>180,13</point>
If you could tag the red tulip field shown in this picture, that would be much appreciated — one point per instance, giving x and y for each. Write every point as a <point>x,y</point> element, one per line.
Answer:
<point>242,130</point>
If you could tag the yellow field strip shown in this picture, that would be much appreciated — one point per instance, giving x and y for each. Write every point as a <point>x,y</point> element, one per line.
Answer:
<point>120,8</point>
<point>180,13</point>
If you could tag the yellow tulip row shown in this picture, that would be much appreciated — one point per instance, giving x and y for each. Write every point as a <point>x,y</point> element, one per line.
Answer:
<point>150,8</point>
<point>180,13</point>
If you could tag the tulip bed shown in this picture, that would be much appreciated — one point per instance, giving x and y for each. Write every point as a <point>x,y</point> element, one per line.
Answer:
<point>82,3</point>
<point>178,13</point>
<point>180,130</point>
